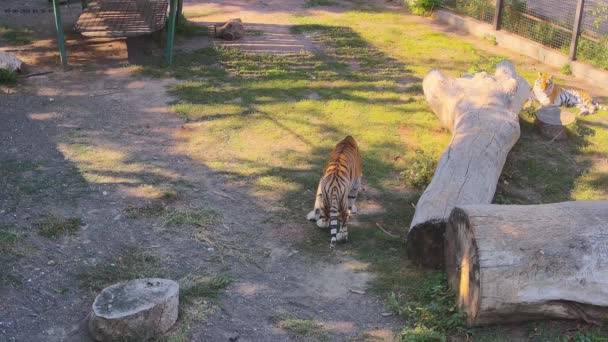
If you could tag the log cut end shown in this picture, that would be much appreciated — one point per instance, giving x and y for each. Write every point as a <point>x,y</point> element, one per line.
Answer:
<point>424,243</point>
<point>462,264</point>
<point>551,122</point>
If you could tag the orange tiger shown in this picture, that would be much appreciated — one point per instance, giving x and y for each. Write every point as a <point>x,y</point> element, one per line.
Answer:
<point>337,191</point>
<point>548,93</point>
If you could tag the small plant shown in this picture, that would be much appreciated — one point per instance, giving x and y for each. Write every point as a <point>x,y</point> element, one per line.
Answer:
<point>53,226</point>
<point>491,38</point>
<point>421,170</point>
<point>7,76</point>
<point>566,70</point>
<point>423,7</point>
<point>421,334</point>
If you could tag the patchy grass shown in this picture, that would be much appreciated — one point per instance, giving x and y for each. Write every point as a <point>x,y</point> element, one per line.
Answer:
<point>52,226</point>
<point>9,238</point>
<point>196,217</point>
<point>16,36</point>
<point>301,328</point>
<point>192,288</point>
<point>155,209</point>
<point>130,263</point>
<point>270,122</point>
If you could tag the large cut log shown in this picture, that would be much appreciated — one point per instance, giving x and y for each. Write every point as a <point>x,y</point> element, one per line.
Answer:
<point>482,113</point>
<point>511,263</point>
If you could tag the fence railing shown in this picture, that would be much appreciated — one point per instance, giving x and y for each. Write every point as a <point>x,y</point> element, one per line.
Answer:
<point>578,28</point>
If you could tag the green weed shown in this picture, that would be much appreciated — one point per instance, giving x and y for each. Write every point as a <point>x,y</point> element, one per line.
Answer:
<point>7,76</point>
<point>202,287</point>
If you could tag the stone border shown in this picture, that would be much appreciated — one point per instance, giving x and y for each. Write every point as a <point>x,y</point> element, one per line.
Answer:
<point>523,46</point>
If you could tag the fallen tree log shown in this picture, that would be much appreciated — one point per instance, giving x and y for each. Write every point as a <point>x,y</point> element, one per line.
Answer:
<point>511,263</point>
<point>482,113</point>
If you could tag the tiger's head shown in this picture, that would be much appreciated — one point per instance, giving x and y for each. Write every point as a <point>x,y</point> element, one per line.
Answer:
<point>543,88</point>
<point>544,82</point>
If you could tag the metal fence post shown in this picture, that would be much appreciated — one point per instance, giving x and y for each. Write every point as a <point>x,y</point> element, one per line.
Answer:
<point>59,27</point>
<point>576,29</point>
<point>498,14</point>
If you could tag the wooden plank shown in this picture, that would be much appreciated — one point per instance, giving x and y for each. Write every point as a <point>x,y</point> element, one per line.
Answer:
<point>122,18</point>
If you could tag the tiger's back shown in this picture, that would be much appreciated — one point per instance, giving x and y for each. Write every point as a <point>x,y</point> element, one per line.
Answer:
<point>338,189</point>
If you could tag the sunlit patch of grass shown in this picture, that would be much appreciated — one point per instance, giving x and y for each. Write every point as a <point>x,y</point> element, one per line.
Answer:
<point>302,328</point>
<point>52,226</point>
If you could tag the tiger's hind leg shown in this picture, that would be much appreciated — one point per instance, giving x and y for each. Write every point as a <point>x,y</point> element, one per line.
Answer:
<point>315,214</point>
<point>342,235</point>
<point>352,195</point>
<point>584,109</point>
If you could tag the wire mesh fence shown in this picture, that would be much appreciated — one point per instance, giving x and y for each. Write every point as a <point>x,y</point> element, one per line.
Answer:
<point>549,22</point>
<point>479,9</point>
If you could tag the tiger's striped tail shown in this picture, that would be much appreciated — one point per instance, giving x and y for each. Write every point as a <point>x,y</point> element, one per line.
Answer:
<point>334,224</point>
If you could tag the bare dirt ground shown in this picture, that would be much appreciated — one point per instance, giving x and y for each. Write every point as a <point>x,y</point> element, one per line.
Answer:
<point>126,118</point>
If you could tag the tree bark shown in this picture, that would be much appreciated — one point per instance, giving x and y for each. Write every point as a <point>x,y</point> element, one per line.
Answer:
<point>511,263</point>
<point>482,112</point>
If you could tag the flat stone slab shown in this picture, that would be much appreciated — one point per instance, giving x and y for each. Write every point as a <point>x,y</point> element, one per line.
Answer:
<point>136,309</point>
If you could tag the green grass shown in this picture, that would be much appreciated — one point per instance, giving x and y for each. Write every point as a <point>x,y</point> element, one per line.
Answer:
<point>130,263</point>
<point>200,218</point>
<point>16,36</point>
<point>7,76</point>
<point>192,288</point>
<point>307,329</point>
<point>317,3</point>
<point>270,121</point>
<point>52,226</point>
